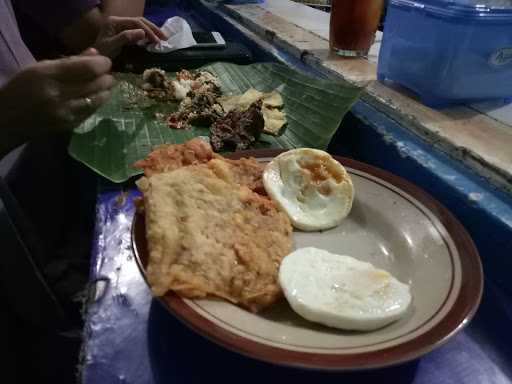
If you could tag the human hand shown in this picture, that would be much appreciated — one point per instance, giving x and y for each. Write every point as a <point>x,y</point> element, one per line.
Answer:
<point>53,95</point>
<point>120,31</point>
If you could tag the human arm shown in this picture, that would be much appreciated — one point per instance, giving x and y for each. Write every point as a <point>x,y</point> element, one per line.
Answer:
<point>123,8</point>
<point>108,33</point>
<point>83,31</point>
<point>52,96</point>
<point>78,23</point>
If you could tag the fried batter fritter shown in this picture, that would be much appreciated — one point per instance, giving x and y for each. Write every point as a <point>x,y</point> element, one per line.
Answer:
<point>208,237</point>
<point>168,157</point>
<point>248,172</point>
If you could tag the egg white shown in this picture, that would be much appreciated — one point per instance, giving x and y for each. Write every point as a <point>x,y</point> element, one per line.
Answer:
<point>340,291</point>
<point>311,203</point>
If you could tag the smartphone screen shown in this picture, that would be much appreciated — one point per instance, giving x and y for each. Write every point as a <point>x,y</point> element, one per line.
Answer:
<point>204,38</point>
<point>209,39</point>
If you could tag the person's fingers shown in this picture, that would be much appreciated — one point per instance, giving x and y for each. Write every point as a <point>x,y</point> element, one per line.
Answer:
<point>101,97</point>
<point>128,23</point>
<point>77,110</point>
<point>71,90</point>
<point>78,68</point>
<point>125,38</point>
<point>157,31</point>
<point>90,52</point>
<point>91,102</point>
<point>150,34</point>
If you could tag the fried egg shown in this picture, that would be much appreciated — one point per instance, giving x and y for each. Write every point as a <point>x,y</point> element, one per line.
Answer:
<point>311,187</point>
<point>340,291</point>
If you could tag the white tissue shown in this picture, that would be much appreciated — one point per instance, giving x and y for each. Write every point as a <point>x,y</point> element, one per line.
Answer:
<point>180,36</point>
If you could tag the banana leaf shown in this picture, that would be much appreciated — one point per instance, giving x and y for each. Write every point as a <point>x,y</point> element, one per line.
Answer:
<point>126,128</point>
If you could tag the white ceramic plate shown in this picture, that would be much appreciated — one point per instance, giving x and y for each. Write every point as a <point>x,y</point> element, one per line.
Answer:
<point>395,226</point>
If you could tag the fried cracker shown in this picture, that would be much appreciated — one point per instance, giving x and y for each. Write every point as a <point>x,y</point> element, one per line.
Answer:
<point>167,157</point>
<point>208,237</point>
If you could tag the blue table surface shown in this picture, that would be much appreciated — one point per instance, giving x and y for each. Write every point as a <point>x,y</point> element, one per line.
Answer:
<point>130,338</point>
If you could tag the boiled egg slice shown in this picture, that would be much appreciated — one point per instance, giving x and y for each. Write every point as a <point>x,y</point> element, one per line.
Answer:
<point>311,187</point>
<point>340,291</point>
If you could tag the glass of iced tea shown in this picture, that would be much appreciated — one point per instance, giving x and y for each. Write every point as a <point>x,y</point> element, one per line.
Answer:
<point>353,25</point>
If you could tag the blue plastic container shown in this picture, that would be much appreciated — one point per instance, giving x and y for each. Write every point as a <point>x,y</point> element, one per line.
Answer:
<point>449,52</point>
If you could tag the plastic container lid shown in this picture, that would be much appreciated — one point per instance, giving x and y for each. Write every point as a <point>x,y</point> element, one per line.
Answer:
<point>492,10</point>
<point>486,3</point>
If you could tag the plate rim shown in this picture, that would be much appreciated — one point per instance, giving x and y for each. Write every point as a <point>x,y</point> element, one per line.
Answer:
<point>458,316</point>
